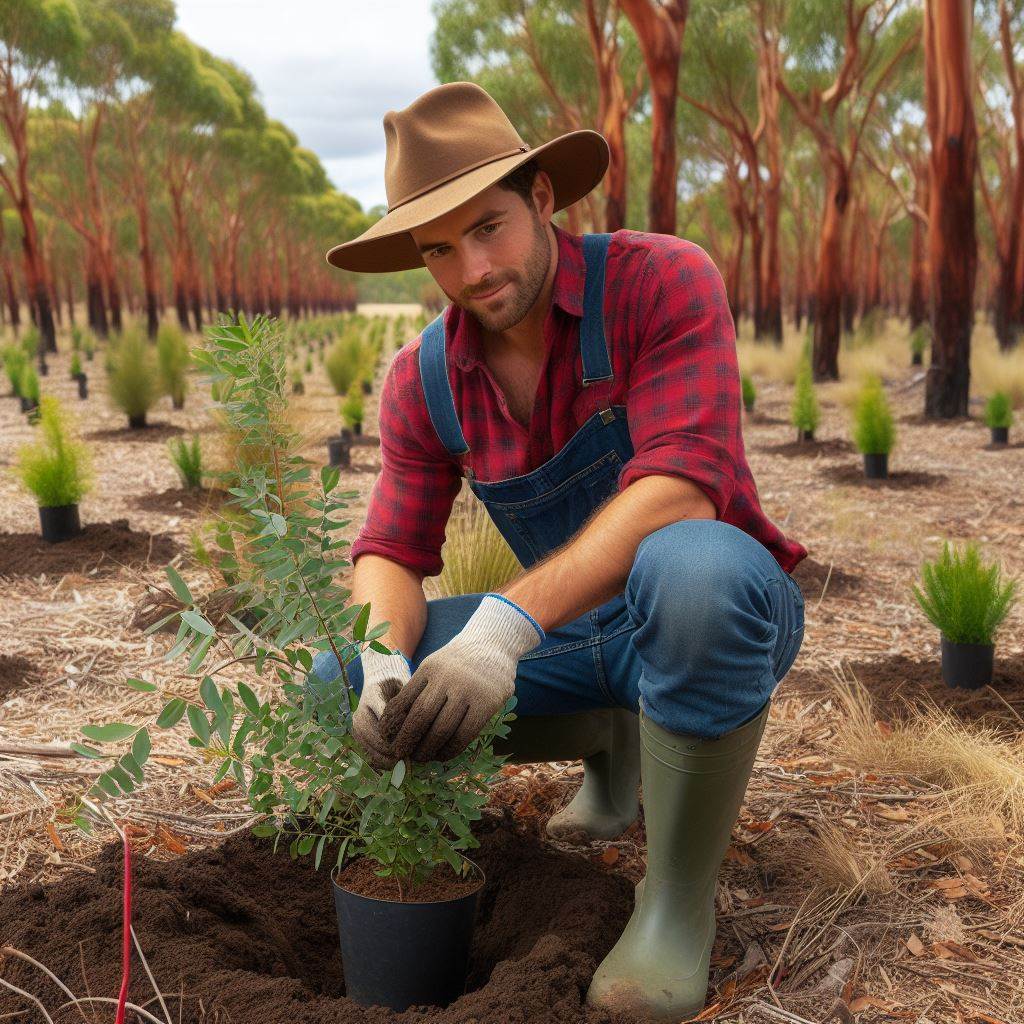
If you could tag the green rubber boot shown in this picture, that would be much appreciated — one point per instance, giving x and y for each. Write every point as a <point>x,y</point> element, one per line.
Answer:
<point>693,789</point>
<point>608,743</point>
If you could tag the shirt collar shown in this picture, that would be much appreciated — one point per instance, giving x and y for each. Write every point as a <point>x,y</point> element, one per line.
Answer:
<point>465,345</point>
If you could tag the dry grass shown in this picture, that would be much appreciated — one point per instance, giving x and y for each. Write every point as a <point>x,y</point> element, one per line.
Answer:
<point>841,862</point>
<point>992,370</point>
<point>477,559</point>
<point>979,773</point>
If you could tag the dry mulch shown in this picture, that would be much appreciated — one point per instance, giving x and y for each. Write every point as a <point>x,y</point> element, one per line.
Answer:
<point>870,957</point>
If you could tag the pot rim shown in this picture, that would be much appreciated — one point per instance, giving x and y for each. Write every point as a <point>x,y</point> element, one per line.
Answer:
<point>966,644</point>
<point>415,903</point>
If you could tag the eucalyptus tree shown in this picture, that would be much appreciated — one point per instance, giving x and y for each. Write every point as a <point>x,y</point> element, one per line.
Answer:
<point>837,58</point>
<point>41,43</point>
<point>1000,92</point>
<point>553,67</point>
<point>952,243</point>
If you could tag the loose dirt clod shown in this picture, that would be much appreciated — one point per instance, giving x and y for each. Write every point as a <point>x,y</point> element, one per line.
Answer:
<point>253,934</point>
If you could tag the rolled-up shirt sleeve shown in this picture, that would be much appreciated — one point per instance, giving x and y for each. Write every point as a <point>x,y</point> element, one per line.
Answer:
<point>683,402</point>
<point>413,494</point>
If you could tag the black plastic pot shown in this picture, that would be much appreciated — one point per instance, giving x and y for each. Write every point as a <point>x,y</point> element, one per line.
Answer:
<point>1000,435</point>
<point>749,406</point>
<point>367,387</point>
<point>137,421</point>
<point>28,404</point>
<point>298,388</point>
<point>177,403</point>
<point>876,465</point>
<point>967,666</point>
<point>83,386</point>
<point>917,359</point>
<point>59,522</point>
<point>805,435</point>
<point>339,451</point>
<point>404,954</point>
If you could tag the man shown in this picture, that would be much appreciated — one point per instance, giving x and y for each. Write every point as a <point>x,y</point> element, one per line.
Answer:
<point>587,388</point>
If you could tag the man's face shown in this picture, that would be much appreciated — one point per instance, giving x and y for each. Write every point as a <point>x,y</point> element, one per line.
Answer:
<point>496,240</point>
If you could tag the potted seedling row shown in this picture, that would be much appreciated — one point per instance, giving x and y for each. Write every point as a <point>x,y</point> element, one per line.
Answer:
<point>804,412</point>
<point>967,601</point>
<point>873,430</point>
<point>403,891</point>
<point>999,417</point>
<point>56,470</point>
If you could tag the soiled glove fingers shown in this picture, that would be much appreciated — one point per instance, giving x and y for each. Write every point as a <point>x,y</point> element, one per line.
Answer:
<point>444,732</point>
<point>409,714</point>
<point>366,727</point>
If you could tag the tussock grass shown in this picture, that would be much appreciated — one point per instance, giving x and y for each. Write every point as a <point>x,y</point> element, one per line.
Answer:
<point>980,772</point>
<point>836,858</point>
<point>477,559</point>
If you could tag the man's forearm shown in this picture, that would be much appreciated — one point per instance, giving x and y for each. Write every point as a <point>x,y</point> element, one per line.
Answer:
<point>593,567</point>
<point>395,594</point>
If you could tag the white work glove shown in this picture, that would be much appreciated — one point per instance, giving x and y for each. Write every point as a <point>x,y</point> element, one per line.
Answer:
<point>383,676</point>
<point>457,690</point>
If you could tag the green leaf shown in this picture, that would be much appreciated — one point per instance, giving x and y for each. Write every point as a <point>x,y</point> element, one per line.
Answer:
<point>319,852</point>
<point>128,763</point>
<point>141,746</point>
<point>249,698</point>
<point>110,733</point>
<point>171,714</point>
<point>264,831</point>
<point>306,844</point>
<point>198,623</point>
<point>398,774</point>
<point>210,696</point>
<point>329,477</point>
<point>179,585</point>
<point>199,722</point>
<point>91,752</point>
<point>141,685</point>
<point>359,626</point>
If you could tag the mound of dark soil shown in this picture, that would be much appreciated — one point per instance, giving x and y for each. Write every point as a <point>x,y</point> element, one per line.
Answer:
<point>101,546</point>
<point>896,680</point>
<point>15,673</point>
<point>253,935</point>
<point>176,500</point>
<point>808,449</point>
<point>810,576</point>
<point>150,432</point>
<point>898,480</point>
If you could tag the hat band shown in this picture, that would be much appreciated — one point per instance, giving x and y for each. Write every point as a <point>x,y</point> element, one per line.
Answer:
<point>458,174</point>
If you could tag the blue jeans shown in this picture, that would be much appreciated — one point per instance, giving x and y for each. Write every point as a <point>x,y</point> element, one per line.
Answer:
<point>707,627</point>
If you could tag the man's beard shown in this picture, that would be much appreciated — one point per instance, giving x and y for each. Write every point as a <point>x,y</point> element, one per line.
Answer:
<point>523,291</point>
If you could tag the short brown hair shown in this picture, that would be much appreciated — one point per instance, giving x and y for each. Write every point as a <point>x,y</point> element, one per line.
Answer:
<point>521,181</point>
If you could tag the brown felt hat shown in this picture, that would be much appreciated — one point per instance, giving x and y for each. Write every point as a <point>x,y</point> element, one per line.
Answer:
<point>445,148</point>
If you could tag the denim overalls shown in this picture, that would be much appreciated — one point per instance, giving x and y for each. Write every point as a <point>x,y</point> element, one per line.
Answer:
<point>708,622</point>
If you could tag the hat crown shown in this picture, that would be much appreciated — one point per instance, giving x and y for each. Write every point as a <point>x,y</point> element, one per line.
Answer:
<point>445,133</point>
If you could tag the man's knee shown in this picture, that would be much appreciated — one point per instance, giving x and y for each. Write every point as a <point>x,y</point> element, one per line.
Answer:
<point>700,574</point>
<point>324,678</point>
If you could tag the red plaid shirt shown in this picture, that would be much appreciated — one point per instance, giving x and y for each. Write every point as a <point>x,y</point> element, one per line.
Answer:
<point>672,345</point>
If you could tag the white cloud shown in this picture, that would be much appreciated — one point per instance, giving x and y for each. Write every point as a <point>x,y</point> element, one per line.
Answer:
<point>330,71</point>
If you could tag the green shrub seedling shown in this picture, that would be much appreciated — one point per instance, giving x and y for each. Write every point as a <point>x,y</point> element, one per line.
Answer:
<point>132,376</point>
<point>173,357</point>
<point>963,598</point>
<point>804,411</point>
<point>352,408</point>
<point>998,411</point>
<point>873,431</point>
<point>291,750</point>
<point>55,469</point>
<point>749,391</point>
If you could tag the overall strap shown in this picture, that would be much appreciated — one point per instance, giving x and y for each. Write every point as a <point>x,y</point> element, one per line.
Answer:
<point>593,345</point>
<point>437,389</point>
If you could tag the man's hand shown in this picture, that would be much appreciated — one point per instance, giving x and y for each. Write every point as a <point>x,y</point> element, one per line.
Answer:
<point>384,675</point>
<point>457,689</point>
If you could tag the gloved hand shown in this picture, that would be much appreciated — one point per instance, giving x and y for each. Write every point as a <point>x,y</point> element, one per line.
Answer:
<point>457,689</point>
<point>384,675</point>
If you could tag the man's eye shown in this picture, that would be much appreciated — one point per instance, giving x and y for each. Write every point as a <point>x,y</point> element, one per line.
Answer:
<point>486,226</point>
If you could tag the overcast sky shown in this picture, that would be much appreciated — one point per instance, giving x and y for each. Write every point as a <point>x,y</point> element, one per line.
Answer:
<point>328,70</point>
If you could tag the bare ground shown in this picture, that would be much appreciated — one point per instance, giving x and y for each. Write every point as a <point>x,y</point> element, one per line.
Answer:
<point>944,943</point>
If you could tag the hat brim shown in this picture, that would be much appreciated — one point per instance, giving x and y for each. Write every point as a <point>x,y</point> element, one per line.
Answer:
<point>576,163</point>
